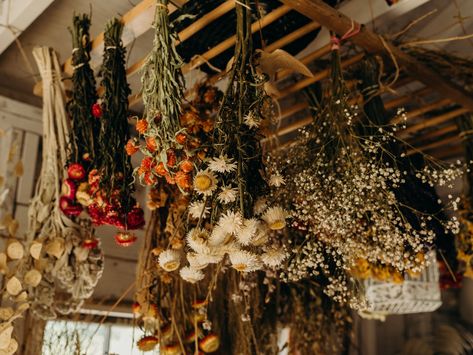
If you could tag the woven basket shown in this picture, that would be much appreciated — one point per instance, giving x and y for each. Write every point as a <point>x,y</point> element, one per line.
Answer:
<point>414,295</point>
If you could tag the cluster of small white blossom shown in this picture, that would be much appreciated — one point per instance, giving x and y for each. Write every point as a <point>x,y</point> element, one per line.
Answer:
<point>342,193</point>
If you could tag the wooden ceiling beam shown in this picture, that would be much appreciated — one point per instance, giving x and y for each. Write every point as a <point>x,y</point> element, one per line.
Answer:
<point>433,121</point>
<point>341,24</point>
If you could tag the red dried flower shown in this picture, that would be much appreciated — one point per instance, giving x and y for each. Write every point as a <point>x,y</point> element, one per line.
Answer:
<point>135,218</point>
<point>125,239</point>
<point>68,207</point>
<point>181,138</point>
<point>97,110</point>
<point>183,180</point>
<point>76,172</point>
<point>90,243</point>
<point>186,166</point>
<point>147,164</point>
<point>160,169</point>
<point>68,189</point>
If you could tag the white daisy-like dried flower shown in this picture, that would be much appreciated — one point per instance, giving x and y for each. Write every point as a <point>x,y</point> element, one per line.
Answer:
<point>198,209</point>
<point>222,164</point>
<point>205,182</point>
<point>273,257</point>
<point>220,236</point>
<point>275,217</point>
<point>227,194</point>
<point>197,240</point>
<point>262,235</point>
<point>231,222</point>
<point>191,275</point>
<point>248,231</point>
<point>196,261</point>
<point>260,205</point>
<point>276,180</point>
<point>169,260</point>
<point>251,120</point>
<point>244,261</point>
<point>215,256</point>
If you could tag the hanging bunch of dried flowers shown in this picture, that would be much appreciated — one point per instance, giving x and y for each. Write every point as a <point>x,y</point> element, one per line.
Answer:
<point>228,207</point>
<point>465,237</point>
<point>344,198</point>
<point>163,93</point>
<point>167,307</point>
<point>56,248</point>
<point>109,187</point>
<point>85,125</point>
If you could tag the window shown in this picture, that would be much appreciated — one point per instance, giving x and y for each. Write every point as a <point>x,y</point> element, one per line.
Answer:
<point>73,337</point>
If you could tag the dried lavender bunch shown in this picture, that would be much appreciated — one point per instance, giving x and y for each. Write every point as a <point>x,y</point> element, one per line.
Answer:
<point>344,178</point>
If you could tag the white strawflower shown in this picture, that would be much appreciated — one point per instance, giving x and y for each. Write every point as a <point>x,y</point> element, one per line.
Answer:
<point>196,261</point>
<point>262,235</point>
<point>205,182</point>
<point>197,240</point>
<point>170,260</point>
<point>219,236</point>
<point>275,217</point>
<point>227,194</point>
<point>273,257</point>
<point>231,222</point>
<point>245,261</point>
<point>222,164</point>
<point>260,205</point>
<point>198,209</point>
<point>214,256</point>
<point>247,231</point>
<point>251,120</point>
<point>276,180</point>
<point>191,275</point>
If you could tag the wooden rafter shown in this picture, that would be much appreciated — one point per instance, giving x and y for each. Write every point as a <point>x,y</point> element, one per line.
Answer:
<point>339,23</point>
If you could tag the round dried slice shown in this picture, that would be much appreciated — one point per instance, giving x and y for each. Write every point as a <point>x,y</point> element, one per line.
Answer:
<point>15,250</point>
<point>14,286</point>
<point>32,278</point>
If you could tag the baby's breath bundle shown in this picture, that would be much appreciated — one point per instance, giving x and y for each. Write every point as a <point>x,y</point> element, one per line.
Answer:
<point>344,177</point>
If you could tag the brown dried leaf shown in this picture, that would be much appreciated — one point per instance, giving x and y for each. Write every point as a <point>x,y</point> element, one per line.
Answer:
<point>271,63</point>
<point>19,169</point>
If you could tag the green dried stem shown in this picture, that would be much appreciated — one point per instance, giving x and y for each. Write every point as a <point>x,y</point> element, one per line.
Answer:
<point>244,96</point>
<point>85,127</point>
<point>113,162</point>
<point>163,82</point>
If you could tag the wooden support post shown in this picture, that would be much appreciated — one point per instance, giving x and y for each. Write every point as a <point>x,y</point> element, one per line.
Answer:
<point>337,22</point>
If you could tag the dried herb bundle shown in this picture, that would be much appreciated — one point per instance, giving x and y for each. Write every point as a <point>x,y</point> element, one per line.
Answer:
<point>113,163</point>
<point>163,93</point>
<point>85,127</point>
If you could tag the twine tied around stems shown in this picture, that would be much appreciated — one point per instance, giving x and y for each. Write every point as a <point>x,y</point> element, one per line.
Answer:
<point>353,31</point>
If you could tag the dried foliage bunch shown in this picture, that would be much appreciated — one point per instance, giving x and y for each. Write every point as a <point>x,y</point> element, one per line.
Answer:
<point>109,186</point>
<point>85,126</point>
<point>64,271</point>
<point>163,93</point>
<point>168,310</point>
<point>465,237</point>
<point>341,180</point>
<point>317,324</point>
<point>228,207</point>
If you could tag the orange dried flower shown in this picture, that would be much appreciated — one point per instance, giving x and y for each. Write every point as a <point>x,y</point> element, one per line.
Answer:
<point>160,169</point>
<point>151,144</point>
<point>186,166</point>
<point>131,147</point>
<point>189,118</point>
<point>183,180</point>
<point>208,126</point>
<point>210,95</point>
<point>170,180</point>
<point>147,164</point>
<point>181,138</point>
<point>171,157</point>
<point>141,126</point>
<point>149,179</point>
